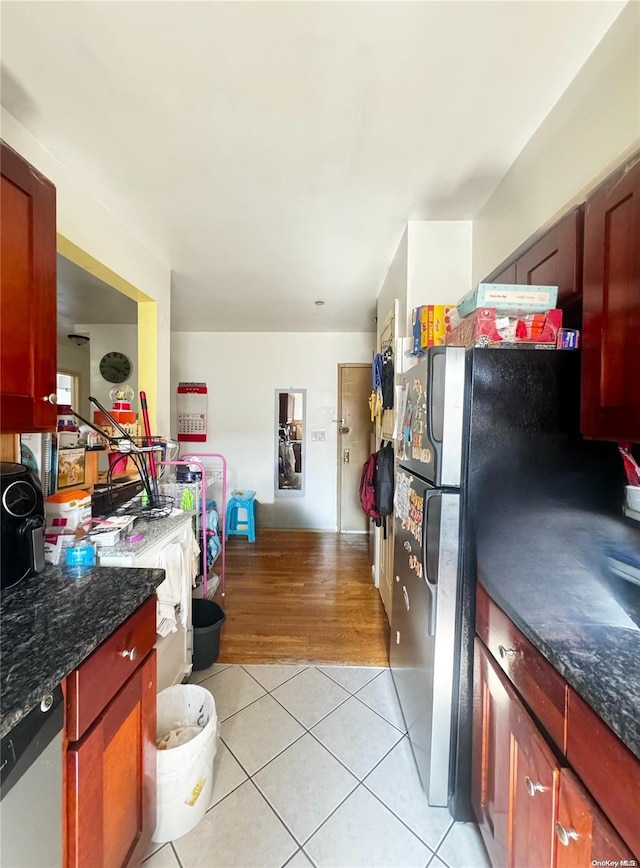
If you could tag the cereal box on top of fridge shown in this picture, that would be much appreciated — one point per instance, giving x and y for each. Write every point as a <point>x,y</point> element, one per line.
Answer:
<point>436,323</point>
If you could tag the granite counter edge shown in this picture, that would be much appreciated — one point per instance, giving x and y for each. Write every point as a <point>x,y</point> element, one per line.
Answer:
<point>555,659</point>
<point>51,680</point>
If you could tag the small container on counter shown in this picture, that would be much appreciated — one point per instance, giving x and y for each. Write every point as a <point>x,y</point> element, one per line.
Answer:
<point>81,558</point>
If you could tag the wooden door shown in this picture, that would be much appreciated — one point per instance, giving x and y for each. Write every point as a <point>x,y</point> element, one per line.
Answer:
<point>491,757</point>
<point>610,407</point>
<point>111,778</point>
<point>584,835</point>
<point>535,777</point>
<point>27,296</point>
<point>354,443</point>
<point>556,259</point>
<point>506,274</point>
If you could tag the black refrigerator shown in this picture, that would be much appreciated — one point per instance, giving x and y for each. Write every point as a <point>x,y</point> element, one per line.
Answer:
<point>468,420</point>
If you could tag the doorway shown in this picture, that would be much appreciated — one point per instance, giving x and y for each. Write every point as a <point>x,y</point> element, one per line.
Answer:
<point>355,431</point>
<point>147,317</point>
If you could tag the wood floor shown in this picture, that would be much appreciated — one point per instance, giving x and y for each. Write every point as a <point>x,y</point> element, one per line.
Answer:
<point>296,596</point>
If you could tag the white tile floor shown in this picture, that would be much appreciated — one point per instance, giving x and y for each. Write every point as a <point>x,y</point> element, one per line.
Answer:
<point>314,768</point>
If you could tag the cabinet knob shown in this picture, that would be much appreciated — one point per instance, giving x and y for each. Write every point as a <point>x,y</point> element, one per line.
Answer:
<point>46,702</point>
<point>565,836</point>
<point>131,653</point>
<point>505,652</point>
<point>533,788</point>
<point>52,398</point>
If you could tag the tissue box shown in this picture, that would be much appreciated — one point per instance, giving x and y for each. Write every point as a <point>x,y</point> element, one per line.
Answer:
<point>509,297</point>
<point>488,327</point>
<point>108,531</point>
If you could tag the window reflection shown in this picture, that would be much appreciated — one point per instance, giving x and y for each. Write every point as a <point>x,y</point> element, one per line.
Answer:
<point>290,438</point>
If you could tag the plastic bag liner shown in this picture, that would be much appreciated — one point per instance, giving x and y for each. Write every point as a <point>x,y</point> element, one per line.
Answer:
<point>184,773</point>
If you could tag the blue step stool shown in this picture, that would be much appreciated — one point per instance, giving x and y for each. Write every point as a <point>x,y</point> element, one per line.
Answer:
<point>241,515</point>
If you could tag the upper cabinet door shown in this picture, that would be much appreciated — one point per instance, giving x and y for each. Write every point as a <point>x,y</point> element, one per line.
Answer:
<point>611,314</point>
<point>503,275</point>
<point>556,259</point>
<point>27,297</point>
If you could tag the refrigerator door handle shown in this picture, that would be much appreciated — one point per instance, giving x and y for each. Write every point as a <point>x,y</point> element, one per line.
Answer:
<point>431,581</point>
<point>435,392</point>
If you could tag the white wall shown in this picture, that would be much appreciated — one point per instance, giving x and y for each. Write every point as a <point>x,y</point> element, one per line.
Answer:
<point>432,265</point>
<point>86,222</point>
<point>395,285</point>
<point>107,338</point>
<point>439,262</point>
<point>594,125</point>
<point>242,371</point>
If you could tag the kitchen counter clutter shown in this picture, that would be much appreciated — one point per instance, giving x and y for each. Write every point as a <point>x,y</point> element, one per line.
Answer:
<point>50,623</point>
<point>169,544</point>
<point>557,575</point>
<point>152,532</point>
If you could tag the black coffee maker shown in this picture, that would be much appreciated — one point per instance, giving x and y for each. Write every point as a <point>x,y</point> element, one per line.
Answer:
<point>22,510</point>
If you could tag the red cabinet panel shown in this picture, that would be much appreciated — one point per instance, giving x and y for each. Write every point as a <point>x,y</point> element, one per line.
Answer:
<point>27,296</point>
<point>111,778</point>
<point>110,744</point>
<point>584,835</point>
<point>610,407</point>
<point>556,259</point>
<point>491,761</point>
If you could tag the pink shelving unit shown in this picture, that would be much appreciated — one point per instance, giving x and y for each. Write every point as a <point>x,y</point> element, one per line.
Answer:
<point>221,475</point>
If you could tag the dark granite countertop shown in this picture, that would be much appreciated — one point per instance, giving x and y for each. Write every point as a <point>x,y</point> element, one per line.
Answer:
<point>51,622</point>
<point>555,570</point>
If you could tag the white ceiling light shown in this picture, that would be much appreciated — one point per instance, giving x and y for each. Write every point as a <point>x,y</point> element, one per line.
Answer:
<point>79,340</point>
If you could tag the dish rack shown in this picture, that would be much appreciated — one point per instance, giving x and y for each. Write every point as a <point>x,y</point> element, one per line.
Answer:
<point>214,472</point>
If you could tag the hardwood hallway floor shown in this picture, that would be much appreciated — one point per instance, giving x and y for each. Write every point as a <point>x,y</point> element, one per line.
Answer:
<point>295,596</point>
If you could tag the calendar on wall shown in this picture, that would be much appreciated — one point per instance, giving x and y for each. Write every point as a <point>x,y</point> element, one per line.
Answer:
<point>192,412</point>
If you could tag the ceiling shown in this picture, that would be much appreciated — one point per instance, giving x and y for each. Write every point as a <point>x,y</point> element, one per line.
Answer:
<point>271,153</point>
<point>85,299</point>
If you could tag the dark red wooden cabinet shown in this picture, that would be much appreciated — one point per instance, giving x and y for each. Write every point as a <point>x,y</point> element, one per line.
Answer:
<point>110,799</point>
<point>556,259</point>
<point>490,790</point>
<point>610,404</point>
<point>563,800</point>
<point>505,274</point>
<point>584,836</point>
<point>27,296</point>
<point>553,259</point>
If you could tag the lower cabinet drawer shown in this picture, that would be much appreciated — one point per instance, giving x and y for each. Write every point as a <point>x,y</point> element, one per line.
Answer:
<point>538,683</point>
<point>95,682</point>
<point>607,768</point>
<point>584,836</point>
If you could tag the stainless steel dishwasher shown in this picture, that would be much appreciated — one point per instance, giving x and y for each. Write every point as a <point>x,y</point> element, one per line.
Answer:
<point>31,788</point>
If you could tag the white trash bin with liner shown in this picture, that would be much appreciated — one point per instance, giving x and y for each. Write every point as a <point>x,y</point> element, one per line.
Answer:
<point>184,772</point>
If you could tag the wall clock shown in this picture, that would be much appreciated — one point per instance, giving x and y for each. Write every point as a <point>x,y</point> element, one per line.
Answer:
<point>115,367</point>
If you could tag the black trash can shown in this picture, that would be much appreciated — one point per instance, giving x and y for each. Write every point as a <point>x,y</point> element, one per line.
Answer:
<point>208,618</point>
